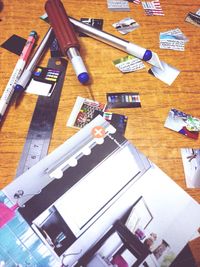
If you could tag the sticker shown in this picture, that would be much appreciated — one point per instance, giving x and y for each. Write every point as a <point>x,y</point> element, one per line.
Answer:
<point>43,81</point>
<point>126,25</point>
<point>178,121</point>
<point>83,112</point>
<point>118,5</point>
<point>128,64</point>
<point>167,75</point>
<point>96,23</point>
<point>123,100</point>
<point>46,74</point>
<point>191,165</point>
<point>153,8</point>
<point>173,39</point>
<point>119,121</point>
<point>14,44</point>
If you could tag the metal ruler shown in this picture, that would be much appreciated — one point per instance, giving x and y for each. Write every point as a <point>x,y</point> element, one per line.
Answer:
<point>41,126</point>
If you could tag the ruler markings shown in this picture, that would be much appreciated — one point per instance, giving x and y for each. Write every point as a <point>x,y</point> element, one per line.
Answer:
<point>42,122</point>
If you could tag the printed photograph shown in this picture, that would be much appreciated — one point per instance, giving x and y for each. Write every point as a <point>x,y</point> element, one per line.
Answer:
<point>112,206</point>
<point>191,165</point>
<point>183,123</point>
<point>83,112</point>
<point>126,25</point>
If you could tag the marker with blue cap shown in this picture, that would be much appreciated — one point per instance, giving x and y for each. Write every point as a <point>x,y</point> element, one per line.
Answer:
<point>124,45</point>
<point>66,37</point>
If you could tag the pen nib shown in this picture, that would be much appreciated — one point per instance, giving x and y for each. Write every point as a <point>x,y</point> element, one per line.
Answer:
<point>155,61</point>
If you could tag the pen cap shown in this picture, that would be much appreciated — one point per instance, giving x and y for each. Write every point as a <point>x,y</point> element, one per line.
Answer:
<point>61,25</point>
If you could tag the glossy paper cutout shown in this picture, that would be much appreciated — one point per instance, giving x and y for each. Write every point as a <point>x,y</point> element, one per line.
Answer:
<point>191,165</point>
<point>180,122</point>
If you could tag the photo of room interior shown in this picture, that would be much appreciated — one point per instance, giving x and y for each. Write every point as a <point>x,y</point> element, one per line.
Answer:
<point>128,242</point>
<point>70,221</point>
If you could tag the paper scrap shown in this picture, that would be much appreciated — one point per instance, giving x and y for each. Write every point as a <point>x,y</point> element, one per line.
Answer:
<point>136,2</point>
<point>118,5</point>
<point>173,39</point>
<point>123,100</point>
<point>193,19</point>
<point>83,112</point>
<point>180,122</point>
<point>126,25</point>
<point>14,44</point>
<point>167,75</point>
<point>191,165</point>
<point>128,64</point>
<point>198,12</point>
<point>43,81</point>
<point>153,8</point>
<point>96,23</point>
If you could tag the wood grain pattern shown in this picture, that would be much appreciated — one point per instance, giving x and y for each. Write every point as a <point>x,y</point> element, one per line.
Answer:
<point>145,125</point>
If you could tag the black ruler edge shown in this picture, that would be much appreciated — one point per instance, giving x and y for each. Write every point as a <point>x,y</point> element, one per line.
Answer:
<point>42,122</point>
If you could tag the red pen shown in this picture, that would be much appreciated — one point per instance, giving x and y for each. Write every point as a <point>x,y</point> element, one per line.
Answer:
<point>19,67</point>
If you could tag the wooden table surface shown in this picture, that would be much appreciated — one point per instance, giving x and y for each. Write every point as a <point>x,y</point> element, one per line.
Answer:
<point>145,128</point>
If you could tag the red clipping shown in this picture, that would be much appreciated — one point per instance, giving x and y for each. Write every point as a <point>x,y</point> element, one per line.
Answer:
<point>61,25</point>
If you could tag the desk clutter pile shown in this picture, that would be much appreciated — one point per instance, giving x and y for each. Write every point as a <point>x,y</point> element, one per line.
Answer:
<point>96,200</point>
